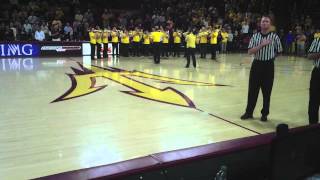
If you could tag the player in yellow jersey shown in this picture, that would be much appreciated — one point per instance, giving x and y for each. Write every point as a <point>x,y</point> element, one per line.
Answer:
<point>224,40</point>
<point>146,43</point>
<point>165,44</point>
<point>105,41</point>
<point>191,39</point>
<point>156,37</point>
<point>136,40</point>
<point>185,42</point>
<point>125,42</point>
<point>177,35</point>
<point>93,42</point>
<point>203,42</point>
<point>99,42</point>
<point>214,42</point>
<point>115,41</point>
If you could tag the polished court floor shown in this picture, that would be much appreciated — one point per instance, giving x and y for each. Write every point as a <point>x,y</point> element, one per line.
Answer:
<point>62,114</point>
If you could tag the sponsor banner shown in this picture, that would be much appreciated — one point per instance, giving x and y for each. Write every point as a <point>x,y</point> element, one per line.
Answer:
<point>19,49</point>
<point>47,49</point>
<point>60,49</point>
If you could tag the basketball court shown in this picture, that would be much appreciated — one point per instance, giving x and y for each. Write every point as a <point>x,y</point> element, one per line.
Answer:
<point>63,114</point>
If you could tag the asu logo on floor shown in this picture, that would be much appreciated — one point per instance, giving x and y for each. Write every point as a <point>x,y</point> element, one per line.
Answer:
<point>84,83</point>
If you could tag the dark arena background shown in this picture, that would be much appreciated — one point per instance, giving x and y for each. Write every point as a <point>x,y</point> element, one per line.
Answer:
<point>159,89</point>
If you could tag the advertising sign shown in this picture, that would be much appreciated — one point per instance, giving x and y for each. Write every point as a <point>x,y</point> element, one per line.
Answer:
<point>19,50</point>
<point>60,49</point>
<point>48,49</point>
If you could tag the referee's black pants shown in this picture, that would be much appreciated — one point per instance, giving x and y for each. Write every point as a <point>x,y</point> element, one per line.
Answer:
<point>93,50</point>
<point>314,96</point>
<point>261,77</point>
<point>156,52</point>
<point>191,54</point>
<point>213,51</point>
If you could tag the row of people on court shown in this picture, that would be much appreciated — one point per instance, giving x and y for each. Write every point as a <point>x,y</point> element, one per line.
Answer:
<point>141,41</point>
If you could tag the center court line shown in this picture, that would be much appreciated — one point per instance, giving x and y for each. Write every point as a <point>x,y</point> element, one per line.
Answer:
<point>234,124</point>
<point>228,121</point>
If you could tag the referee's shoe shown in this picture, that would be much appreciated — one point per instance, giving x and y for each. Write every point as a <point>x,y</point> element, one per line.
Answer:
<point>248,116</point>
<point>264,118</point>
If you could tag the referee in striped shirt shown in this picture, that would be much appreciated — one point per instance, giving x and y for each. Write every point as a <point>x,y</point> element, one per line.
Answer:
<point>264,45</point>
<point>314,93</point>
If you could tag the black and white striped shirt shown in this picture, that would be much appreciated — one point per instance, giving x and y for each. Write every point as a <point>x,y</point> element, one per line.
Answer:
<point>315,48</point>
<point>269,51</point>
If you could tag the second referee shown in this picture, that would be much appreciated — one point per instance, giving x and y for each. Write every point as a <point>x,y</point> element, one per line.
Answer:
<point>314,92</point>
<point>264,45</point>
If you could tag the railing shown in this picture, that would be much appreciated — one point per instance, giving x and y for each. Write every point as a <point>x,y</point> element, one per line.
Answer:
<point>287,157</point>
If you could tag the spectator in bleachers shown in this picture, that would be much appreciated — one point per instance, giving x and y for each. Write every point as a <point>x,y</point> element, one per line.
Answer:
<point>55,34</point>
<point>56,24</point>
<point>301,41</point>
<point>68,32</point>
<point>44,27</point>
<point>245,28</point>
<point>289,43</point>
<point>27,28</point>
<point>77,30</point>
<point>230,44</point>
<point>32,18</point>
<point>88,17</point>
<point>123,20</point>
<point>78,16</point>
<point>105,18</point>
<point>39,34</point>
<point>14,30</point>
<point>236,40</point>
<point>23,14</point>
<point>34,6</point>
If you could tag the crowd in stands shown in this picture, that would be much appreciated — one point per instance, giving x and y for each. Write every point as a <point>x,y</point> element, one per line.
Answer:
<point>70,20</point>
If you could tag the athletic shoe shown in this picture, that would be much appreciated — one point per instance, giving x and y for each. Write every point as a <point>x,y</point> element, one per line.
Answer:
<point>246,116</point>
<point>264,118</point>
